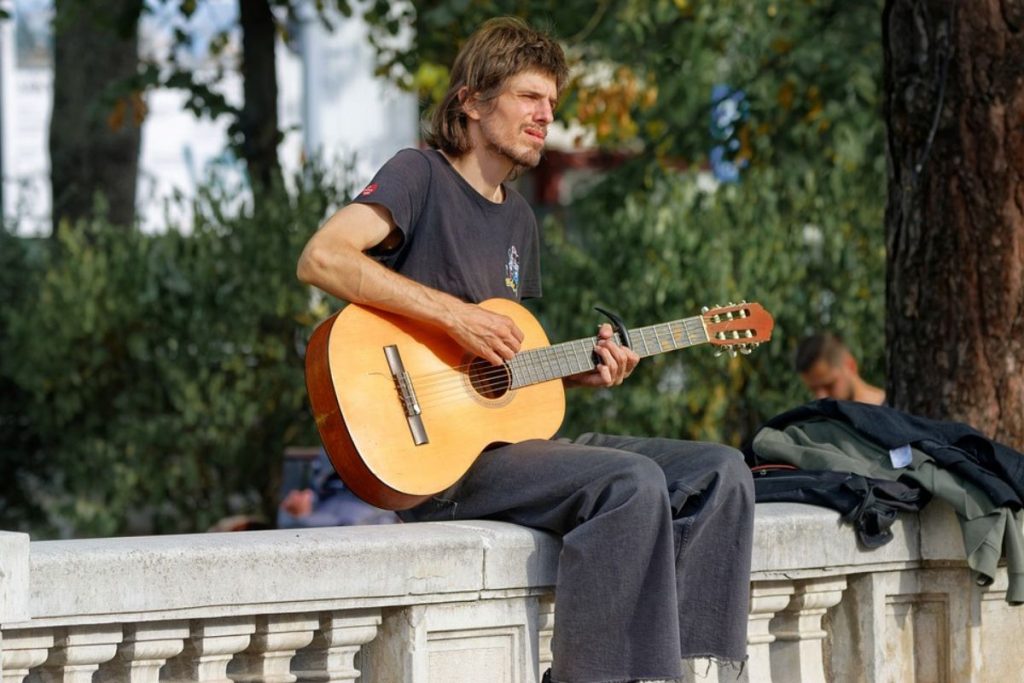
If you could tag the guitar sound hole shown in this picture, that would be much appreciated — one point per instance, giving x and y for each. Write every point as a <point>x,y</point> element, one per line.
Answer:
<point>488,380</point>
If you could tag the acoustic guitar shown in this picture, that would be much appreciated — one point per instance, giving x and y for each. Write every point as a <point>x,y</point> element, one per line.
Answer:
<point>403,411</point>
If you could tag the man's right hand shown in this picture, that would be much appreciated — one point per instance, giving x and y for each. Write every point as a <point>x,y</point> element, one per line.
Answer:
<point>494,337</point>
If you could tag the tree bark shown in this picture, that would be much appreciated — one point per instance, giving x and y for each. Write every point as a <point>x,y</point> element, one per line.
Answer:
<point>95,126</point>
<point>954,107</point>
<point>258,123</point>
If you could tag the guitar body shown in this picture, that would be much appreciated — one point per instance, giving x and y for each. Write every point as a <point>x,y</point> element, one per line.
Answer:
<point>364,425</point>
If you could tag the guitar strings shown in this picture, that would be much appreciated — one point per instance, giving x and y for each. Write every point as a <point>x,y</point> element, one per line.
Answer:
<point>449,382</point>
<point>537,361</point>
<point>667,332</point>
<point>523,357</point>
<point>464,368</point>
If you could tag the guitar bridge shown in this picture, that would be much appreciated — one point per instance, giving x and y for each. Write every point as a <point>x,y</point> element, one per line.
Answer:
<point>407,394</point>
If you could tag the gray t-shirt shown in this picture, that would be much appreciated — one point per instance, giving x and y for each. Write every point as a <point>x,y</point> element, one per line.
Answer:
<point>454,239</point>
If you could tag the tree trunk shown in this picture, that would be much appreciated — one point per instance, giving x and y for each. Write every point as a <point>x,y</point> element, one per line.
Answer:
<point>954,101</point>
<point>258,122</point>
<point>96,121</point>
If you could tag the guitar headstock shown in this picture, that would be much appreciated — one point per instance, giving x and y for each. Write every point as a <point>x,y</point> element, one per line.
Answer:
<point>738,328</point>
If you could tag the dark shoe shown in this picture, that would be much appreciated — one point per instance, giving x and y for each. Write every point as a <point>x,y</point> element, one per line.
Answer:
<point>547,677</point>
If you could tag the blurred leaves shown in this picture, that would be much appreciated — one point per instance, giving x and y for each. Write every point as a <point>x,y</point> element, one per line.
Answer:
<point>810,252</point>
<point>644,70</point>
<point>159,378</point>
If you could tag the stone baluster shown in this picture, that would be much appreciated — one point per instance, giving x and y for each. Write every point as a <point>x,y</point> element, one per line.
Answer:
<point>24,650</point>
<point>144,650</point>
<point>269,655</point>
<point>767,598</point>
<point>545,629</point>
<point>331,655</point>
<point>797,651</point>
<point>211,645</point>
<point>77,652</point>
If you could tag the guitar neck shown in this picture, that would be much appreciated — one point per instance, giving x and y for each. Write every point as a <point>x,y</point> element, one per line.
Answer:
<point>571,358</point>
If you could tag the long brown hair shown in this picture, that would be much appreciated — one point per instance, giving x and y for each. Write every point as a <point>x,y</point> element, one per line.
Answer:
<point>498,50</point>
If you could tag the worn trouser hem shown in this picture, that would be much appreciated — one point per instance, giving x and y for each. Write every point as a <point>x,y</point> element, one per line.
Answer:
<point>697,663</point>
<point>634,680</point>
<point>548,679</point>
<point>699,666</point>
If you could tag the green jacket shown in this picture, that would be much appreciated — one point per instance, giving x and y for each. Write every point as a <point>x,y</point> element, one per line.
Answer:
<point>988,530</point>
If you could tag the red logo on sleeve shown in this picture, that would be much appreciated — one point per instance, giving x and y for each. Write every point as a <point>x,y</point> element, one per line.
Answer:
<point>368,190</point>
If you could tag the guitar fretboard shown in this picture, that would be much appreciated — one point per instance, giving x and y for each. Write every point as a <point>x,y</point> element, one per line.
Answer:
<point>571,358</point>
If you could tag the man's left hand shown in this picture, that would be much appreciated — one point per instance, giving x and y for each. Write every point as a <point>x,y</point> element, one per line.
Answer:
<point>617,363</point>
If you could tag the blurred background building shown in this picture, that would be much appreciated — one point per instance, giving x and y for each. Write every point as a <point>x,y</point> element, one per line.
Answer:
<point>331,105</point>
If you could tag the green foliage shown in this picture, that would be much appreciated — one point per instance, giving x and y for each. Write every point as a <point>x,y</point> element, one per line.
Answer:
<point>808,249</point>
<point>644,69</point>
<point>809,70</point>
<point>159,376</point>
<point>20,265</point>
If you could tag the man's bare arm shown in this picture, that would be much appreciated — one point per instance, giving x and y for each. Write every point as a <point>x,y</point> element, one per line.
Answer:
<point>335,261</point>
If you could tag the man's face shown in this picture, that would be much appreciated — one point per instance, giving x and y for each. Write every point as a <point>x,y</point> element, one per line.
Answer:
<point>825,380</point>
<point>516,122</point>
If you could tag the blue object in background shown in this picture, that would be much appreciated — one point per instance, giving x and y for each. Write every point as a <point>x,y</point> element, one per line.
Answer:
<point>333,503</point>
<point>729,109</point>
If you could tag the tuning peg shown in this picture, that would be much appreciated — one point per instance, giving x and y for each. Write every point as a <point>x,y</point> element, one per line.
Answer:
<point>719,353</point>
<point>735,334</point>
<point>749,334</point>
<point>720,335</point>
<point>745,349</point>
<point>704,309</point>
<point>733,352</point>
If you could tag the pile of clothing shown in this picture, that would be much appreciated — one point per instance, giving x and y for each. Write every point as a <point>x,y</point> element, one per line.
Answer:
<point>871,461</point>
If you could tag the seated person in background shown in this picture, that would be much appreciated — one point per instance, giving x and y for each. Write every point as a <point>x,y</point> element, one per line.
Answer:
<point>327,502</point>
<point>829,370</point>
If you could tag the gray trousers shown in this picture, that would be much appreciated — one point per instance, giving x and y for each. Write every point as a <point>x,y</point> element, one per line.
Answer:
<point>656,543</point>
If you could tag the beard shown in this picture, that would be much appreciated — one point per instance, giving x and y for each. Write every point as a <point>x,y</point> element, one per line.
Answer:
<point>521,156</point>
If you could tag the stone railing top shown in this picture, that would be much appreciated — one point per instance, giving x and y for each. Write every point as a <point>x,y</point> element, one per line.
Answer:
<point>791,540</point>
<point>197,574</point>
<point>187,576</point>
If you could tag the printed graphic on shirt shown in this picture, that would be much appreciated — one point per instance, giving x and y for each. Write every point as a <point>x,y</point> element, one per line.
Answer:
<point>512,270</point>
<point>368,190</point>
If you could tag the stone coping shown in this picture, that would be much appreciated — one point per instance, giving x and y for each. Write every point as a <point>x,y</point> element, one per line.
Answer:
<point>196,575</point>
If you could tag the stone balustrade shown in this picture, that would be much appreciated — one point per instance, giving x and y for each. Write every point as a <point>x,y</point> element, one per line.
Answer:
<point>472,602</point>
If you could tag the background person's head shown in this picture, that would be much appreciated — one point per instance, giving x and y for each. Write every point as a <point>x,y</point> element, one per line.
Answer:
<point>500,49</point>
<point>829,370</point>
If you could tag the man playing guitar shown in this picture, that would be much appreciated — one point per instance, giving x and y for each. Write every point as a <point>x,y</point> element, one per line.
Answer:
<point>655,562</point>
